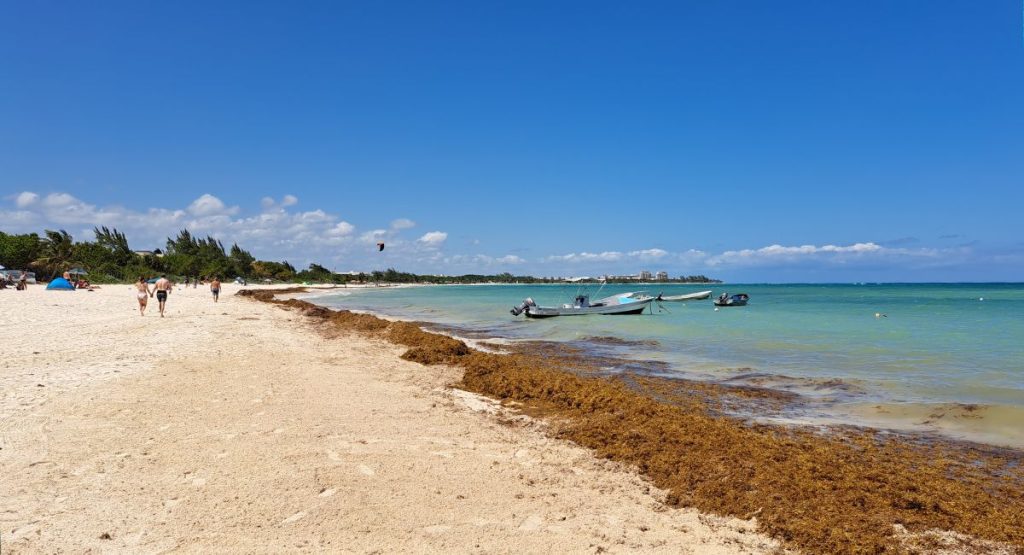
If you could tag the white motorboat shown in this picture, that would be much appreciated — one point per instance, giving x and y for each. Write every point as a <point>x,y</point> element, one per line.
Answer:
<point>623,303</point>
<point>688,297</point>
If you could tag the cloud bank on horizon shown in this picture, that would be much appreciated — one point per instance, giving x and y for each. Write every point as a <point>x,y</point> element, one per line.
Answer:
<point>282,231</point>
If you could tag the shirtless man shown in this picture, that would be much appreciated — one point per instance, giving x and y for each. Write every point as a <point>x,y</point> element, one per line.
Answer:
<point>163,288</point>
<point>215,288</point>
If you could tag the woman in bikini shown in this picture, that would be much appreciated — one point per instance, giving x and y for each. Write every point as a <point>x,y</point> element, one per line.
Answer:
<point>142,291</point>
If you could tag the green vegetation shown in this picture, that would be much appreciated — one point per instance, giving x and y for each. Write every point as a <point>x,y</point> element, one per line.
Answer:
<point>109,259</point>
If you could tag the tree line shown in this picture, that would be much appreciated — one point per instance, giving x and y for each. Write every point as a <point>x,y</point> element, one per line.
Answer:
<point>109,259</point>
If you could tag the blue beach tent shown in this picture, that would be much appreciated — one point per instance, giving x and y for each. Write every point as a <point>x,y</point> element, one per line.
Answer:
<point>60,284</point>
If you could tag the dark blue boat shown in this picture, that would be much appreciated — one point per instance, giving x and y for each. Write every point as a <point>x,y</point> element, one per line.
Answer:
<point>725,299</point>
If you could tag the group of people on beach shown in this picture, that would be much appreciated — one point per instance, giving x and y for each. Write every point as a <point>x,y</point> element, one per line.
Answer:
<point>163,287</point>
<point>80,283</point>
<point>7,280</point>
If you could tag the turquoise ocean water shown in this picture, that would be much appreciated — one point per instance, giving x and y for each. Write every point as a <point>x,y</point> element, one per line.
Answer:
<point>944,357</point>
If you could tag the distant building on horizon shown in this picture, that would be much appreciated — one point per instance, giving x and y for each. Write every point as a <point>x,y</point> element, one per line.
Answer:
<point>644,275</point>
<point>610,277</point>
<point>662,276</point>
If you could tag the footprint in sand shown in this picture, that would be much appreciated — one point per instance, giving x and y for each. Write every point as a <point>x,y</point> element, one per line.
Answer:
<point>366,470</point>
<point>532,523</point>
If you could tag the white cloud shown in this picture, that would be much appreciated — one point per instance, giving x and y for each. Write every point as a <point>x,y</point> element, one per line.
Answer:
<point>342,229</point>
<point>402,223</point>
<point>611,256</point>
<point>18,220</point>
<point>268,203</point>
<point>607,256</point>
<point>25,199</point>
<point>476,262</point>
<point>649,254</point>
<point>374,235</point>
<point>433,239</point>
<point>60,200</point>
<point>788,254</point>
<point>209,205</point>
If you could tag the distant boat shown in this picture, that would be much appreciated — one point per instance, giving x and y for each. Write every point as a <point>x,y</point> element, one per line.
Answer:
<point>725,299</point>
<point>623,303</point>
<point>688,297</point>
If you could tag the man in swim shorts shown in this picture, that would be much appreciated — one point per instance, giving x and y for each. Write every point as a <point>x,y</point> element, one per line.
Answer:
<point>215,288</point>
<point>163,288</point>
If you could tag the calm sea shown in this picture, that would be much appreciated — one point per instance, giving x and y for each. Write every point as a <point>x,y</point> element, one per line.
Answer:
<point>938,357</point>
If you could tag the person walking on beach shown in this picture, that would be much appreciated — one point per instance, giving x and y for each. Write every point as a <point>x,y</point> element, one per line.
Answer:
<point>23,281</point>
<point>215,288</point>
<point>163,288</point>
<point>142,293</point>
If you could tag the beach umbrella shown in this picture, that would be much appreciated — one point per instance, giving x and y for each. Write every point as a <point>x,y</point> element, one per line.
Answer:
<point>78,272</point>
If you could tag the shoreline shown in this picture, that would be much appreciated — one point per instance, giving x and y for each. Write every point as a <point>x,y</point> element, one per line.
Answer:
<point>826,399</point>
<point>852,479</point>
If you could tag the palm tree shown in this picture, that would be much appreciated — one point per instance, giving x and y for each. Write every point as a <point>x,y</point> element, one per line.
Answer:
<point>115,242</point>
<point>57,252</point>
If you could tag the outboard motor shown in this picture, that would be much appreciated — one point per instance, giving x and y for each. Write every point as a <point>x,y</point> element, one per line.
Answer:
<point>517,310</point>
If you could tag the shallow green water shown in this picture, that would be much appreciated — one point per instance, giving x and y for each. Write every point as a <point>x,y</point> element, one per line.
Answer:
<point>936,344</point>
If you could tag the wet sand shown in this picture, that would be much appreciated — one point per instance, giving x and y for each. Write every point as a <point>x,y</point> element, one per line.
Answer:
<point>241,427</point>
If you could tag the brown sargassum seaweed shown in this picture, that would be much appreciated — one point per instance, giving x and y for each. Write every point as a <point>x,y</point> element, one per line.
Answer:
<point>848,490</point>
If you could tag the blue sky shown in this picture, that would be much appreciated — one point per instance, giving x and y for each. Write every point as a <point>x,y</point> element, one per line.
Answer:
<point>753,141</point>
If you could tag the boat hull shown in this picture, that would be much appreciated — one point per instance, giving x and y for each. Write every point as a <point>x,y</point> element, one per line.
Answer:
<point>688,297</point>
<point>739,299</point>
<point>621,309</point>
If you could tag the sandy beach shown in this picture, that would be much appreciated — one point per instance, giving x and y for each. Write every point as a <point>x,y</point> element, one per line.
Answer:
<point>240,427</point>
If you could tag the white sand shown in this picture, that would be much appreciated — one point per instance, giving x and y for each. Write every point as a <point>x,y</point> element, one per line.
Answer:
<point>236,427</point>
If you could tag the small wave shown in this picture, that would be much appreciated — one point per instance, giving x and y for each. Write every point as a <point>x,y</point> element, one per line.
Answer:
<point>810,386</point>
<point>619,342</point>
